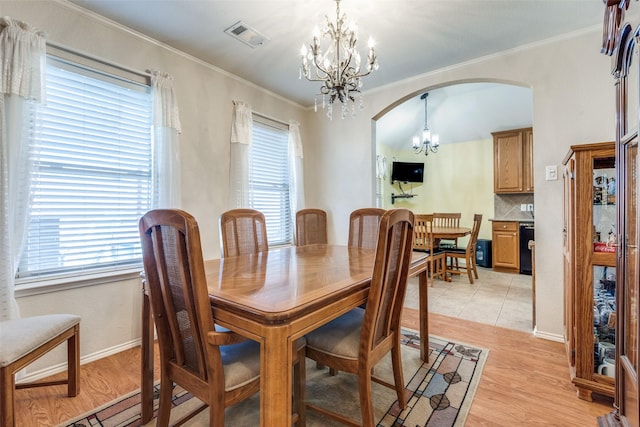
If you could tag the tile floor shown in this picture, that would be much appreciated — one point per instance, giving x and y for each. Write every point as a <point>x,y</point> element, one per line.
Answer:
<point>498,299</point>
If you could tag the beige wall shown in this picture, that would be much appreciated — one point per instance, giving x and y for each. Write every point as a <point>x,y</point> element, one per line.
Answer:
<point>447,186</point>
<point>573,99</point>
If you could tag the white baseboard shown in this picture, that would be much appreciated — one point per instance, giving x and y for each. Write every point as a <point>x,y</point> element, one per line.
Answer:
<point>62,367</point>
<point>548,336</point>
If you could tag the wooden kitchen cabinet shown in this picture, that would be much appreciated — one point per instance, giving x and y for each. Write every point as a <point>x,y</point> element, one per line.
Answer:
<point>513,161</point>
<point>589,264</point>
<point>505,246</point>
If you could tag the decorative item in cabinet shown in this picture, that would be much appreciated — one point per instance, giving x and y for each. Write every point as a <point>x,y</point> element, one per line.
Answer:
<point>604,319</point>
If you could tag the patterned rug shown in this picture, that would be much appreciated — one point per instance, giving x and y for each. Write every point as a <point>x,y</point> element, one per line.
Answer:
<point>441,390</point>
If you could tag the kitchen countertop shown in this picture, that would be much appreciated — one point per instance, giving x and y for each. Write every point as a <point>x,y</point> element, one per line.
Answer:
<point>527,220</point>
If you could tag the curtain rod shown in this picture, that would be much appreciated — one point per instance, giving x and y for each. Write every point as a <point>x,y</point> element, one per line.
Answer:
<point>97,59</point>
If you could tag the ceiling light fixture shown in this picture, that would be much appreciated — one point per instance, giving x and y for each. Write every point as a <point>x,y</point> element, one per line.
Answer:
<point>430,142</point>
<point>338,68</point>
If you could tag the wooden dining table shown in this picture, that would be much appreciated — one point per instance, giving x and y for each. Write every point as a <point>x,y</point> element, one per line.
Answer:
<point>450,233</point>
<point>276,297</point>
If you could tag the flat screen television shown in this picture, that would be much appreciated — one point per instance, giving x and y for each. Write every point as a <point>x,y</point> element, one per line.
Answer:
<point>407,172</point>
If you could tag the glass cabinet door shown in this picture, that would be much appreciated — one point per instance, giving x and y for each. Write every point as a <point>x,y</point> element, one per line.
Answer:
<point>630,262</point>
<point>604,320</point>
<point>604,200</point>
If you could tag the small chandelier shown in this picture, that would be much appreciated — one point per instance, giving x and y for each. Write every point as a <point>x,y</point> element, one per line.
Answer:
<point>430,142</point>
<point>338,68</point>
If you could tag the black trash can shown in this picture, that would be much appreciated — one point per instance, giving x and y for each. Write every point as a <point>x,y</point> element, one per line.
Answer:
<point>483,253</point>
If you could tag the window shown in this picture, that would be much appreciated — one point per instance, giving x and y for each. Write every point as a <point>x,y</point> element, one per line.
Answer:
<point>269,178</point>
<point>93,173</point>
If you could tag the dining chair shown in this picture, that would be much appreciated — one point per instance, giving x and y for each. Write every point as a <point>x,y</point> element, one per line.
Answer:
<point>243,231</point>
<point>363,227</point>
<point>468,253</point>
<point>451,219</point>
<point>24,340</point>
<point>216,365</point>
<point>311,227</point>
<point>356,341</point>
<point>424,241</point>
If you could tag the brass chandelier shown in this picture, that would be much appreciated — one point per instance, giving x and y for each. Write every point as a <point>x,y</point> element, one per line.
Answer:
<point>338,67</point>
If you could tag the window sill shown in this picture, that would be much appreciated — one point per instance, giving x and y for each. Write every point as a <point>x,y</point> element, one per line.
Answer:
<point>44,285</point>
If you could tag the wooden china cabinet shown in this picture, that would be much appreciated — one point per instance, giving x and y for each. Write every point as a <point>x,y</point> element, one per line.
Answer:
<point>620,41</point>
<point>589,249</point>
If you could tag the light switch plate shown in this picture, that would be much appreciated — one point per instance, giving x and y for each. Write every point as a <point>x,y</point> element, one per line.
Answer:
<point>551,173</point>
<point>523,207</point>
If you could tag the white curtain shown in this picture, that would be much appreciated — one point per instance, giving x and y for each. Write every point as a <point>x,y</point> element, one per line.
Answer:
<point>381,175</point>
<point>240,168</point>
<point>166,192</point>
<point>22,62</point>
<point>296,176</point>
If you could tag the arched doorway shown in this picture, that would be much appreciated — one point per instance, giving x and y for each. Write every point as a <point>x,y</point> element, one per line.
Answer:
<point>459,176</point>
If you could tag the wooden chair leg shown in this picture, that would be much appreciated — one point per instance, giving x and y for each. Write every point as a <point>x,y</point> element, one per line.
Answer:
<point>7,406</point>
<point>366,404</point>
<point>73,363</point>
<point>164,410</point>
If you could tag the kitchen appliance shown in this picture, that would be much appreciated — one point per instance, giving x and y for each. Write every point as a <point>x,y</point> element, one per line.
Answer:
<point>526,234</point>
<point>483,253</point>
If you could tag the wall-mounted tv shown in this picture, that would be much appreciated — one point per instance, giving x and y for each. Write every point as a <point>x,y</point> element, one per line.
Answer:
<point>407,172</point>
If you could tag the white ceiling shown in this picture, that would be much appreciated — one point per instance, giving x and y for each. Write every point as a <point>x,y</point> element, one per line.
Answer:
<point>463,112</point>
<point>413,37</point>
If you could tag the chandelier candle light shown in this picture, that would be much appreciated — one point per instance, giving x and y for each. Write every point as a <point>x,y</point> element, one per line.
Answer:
<point>338,68</point>
<point>429,142</point>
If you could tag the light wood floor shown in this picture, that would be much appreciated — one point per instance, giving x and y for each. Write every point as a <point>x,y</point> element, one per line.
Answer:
<point>525,381</point>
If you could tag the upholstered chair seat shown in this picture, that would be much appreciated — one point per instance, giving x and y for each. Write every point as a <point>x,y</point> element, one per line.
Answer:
<point>22,341</point>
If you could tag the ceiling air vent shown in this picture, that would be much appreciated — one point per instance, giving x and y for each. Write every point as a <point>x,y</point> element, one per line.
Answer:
<point>246,34</point>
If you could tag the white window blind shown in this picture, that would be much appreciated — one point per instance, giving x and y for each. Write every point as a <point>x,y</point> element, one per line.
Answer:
<point>93,173</point>
<point>269,178</point>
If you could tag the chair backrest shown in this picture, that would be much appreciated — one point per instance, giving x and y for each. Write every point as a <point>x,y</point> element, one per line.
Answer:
<point>473,239</point>
<point>311,227</point>
<point>441,219</point>
<point>389,280</point>
<point>423,233</point>
<point>363,227</point>
<point>243,231</point>
<point>174,273</point>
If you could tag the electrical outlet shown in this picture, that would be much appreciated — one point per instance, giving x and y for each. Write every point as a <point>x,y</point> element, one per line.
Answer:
<point>523,207</point>
<point>530,207</point>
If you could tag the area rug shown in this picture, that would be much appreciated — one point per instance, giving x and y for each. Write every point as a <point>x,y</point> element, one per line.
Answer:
<point>441,392</point>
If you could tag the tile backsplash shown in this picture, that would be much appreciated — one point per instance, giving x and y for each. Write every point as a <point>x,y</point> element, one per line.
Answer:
<point>507,206</point>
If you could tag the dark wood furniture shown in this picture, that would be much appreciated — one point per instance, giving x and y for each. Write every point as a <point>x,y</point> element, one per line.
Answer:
<point>243,231</point>
<point>278,296</point>
<point>589,264</point>
<point>505,249</point>
<point>356,341</point>
<point>311,226</point>
<point>620,40</point>
<point>513,161</point>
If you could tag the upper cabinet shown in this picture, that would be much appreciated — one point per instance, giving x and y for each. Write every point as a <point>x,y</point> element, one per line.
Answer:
<point>513,161</point>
